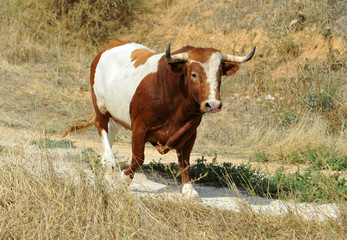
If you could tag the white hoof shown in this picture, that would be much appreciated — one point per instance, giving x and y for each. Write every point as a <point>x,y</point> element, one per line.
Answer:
<point>108,160</point>
<point>126,179</point>
<point>189,194</point>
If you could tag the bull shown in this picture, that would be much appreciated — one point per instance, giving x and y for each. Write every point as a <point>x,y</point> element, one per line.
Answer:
<point>161,98</point>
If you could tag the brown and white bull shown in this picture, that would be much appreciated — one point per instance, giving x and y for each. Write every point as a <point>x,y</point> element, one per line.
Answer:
<point>161,98</point>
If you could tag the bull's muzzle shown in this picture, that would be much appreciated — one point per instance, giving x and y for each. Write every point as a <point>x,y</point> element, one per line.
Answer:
<point>211,106</point>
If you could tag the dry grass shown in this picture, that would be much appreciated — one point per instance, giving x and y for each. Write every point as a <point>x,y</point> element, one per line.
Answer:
<point>242,137</point>
<point>37,201</point>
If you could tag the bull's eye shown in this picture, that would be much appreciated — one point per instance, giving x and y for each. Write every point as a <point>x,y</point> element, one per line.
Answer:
<point>195,76</point>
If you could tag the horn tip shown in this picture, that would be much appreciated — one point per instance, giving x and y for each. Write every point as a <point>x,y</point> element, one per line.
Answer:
<point>250,56</point>
<point>167,53</point>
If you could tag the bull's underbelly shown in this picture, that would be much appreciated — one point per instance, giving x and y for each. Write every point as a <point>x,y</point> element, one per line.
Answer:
<point>173,136</point>
<point>165,144</point>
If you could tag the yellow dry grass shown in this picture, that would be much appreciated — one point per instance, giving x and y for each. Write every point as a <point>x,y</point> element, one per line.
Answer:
<point>39,202</point>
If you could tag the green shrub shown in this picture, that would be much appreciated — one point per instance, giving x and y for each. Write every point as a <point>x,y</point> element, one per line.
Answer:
<point>320,158</point>
<point>309,186</point>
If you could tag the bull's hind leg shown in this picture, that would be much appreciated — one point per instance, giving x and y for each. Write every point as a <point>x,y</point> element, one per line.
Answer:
<point>112,131</point>
<point>107,139</point>
<point>107,132</point>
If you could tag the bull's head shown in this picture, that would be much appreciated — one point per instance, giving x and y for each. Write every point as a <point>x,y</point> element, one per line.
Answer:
<point>203,68</point>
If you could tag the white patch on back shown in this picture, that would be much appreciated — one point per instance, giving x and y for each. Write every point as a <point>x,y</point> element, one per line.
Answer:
<point>211,68</point>
<point>116,79</point>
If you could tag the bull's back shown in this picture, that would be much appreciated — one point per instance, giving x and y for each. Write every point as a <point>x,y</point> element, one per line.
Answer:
<point>118,73</point>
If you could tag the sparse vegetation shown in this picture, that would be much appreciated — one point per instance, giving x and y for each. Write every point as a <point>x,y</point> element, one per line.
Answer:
<point>87,156</point>
<point>310,186</point>
<point>320,158</point>
<point>260,157</point>
<point>49,143</point>
<point>92,21</point>
<point>290,117</point>
<point>307,186</point>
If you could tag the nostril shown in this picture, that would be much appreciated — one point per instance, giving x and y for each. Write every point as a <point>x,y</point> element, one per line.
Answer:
<point>220,106</point>
<point>207,105</point>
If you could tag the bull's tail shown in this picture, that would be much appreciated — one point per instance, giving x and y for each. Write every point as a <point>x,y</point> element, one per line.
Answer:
<point>80,126</point>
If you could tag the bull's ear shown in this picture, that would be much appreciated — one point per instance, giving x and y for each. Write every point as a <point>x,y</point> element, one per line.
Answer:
<point>230,68</point>
<point>178,67</point>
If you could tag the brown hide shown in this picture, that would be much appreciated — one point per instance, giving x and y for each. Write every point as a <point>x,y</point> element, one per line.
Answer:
<point>164,112</point>
<point>140,56</point>
<point>168,110</point>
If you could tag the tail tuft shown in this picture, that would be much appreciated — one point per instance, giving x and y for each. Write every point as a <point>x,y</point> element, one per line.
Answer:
<point>80,126</point>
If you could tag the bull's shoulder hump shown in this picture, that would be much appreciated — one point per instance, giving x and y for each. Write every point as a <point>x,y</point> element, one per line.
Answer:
<point>128,47</point>
<point>116,43</point>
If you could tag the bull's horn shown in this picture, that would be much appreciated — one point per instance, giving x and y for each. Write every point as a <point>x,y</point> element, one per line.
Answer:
<point>179,57</point>
<point>237,59</point>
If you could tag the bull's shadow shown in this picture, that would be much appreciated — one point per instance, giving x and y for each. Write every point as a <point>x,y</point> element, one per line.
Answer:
<point>150,183</point>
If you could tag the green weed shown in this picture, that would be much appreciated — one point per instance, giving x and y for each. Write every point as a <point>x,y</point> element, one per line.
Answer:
<point>287,47</point>
<point>48,143</point>
<point>290,117</point>
<point>320,158</point>
<point>85,156</point>
<point>11,124</point>
<point>310,186</point>
<point>89,156</point>
<point>211,153</point>
<point>260,157</point>
<point>51,131</point>
<point>320,89</point>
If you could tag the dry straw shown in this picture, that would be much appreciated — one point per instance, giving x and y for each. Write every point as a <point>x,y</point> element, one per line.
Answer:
<point>38,200</point>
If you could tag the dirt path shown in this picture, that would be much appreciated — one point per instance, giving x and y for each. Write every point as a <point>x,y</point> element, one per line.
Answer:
<point>233,199</point>
<point>122,151</point>
<point>146,184</point>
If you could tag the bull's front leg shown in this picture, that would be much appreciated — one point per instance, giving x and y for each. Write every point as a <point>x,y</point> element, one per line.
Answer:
<point>138,156</point>
<point>188,192</point>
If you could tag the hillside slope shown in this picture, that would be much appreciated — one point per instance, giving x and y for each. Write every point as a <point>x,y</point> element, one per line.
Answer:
<point>293,94</point>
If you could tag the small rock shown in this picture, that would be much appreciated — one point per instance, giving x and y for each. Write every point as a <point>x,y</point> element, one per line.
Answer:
<point>269,97</point>
<point>208,13</point>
